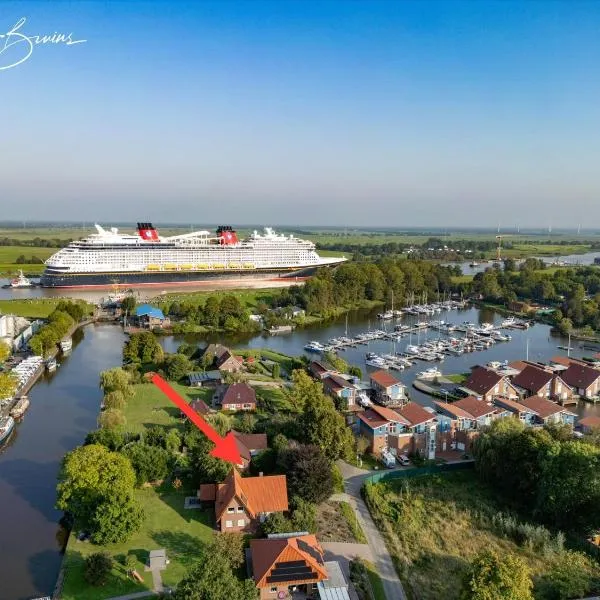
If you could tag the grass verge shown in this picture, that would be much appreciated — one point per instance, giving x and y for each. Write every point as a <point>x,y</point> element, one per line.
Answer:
<point>348,513</point>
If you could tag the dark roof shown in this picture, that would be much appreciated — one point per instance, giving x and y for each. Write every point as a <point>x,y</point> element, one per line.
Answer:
<point>384,379</point>
<point>372,419</point>
<point>591,421</point>
<point>318,367</point>
<point>511,405</point>
<point>225,356</point>
<point>482,380</point>
<point>518,365</point>
<point>239,393</point>
<point>207,492</point>
<point>202,376</point>
<point>216,350</point>
<point>336,382</point>
<point>532,379</point>
<point>476,408</point>
<point>541,407</point>
<point>248,442</point>
<point>200,406</point>
<point>580,376</point>
<point>415,414</point>
<point>451,408</point>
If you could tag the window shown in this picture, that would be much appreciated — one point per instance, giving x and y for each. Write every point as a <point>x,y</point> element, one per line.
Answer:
<point>231,509</point>
<point>228,523</point>
<point>240,509</point>
<point>273,589</point>
<point>241,522</point>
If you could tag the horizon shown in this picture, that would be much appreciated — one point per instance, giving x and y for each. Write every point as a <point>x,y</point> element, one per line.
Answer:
<point>347,114</point>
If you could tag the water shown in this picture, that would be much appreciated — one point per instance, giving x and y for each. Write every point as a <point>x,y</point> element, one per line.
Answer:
<point>542,345</point>
<point>64,407</point>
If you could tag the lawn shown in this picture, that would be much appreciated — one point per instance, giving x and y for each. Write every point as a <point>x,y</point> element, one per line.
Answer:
<point>248,298</point>
<point>458,378</point>
<point>35,308</point>
<point>9,255</point>
<point>461,278</point>
<point>272,400</point>
<point>433,526</point>
<point>166,525</point>
<point>150,406</point>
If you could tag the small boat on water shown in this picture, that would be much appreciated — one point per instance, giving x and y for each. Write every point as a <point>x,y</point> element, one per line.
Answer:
<point>21,281</point>
<point>7,424</point>
<point>18,410</point>
<point>429,373</point>
<point>66,345</point>
<point>51,365</point>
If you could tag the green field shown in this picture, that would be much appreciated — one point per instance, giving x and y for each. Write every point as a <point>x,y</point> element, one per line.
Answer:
<point>9,255</point>
<point>166,525</point>
<point>248,298</point>
<point>435,524</point>
<point>34,308</point>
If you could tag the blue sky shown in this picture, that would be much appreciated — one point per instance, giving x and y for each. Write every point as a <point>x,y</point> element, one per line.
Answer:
<point>351,113</point>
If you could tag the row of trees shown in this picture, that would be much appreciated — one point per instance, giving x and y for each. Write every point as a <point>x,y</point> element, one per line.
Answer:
<point>36,242</point>
<point>546,473</point>
<point>61,320</point>
<point>575,292</point>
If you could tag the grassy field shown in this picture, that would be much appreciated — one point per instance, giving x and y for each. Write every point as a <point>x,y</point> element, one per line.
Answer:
<point>433,526</point>
<point>166,525</point>
<point>35,308</point>
<point>336,522</point>
<point>462,278</point>
<point>457,377</point>
<point>151,407</point>
<point>248,298</point>
<point>9,255</point>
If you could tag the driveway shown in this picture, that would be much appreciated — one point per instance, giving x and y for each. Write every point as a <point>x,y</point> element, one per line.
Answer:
<point>343,553</point>
<point>354,479</point>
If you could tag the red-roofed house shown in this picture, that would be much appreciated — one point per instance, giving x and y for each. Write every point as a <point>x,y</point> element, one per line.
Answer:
<point>279,564</point>
<point>589,424</point>
<point>584,380</point>
<point>318,370</point>
<point>537,381</point>
<point>336,385</point>
<point>249,445</point>
<point>387,389</point>
<point>485,383</point>
<point>242,503</point>
<point>548,412</point>
<point>237,396</point>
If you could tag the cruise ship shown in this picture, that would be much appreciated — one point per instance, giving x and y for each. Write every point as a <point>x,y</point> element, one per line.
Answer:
<point>108,258</point>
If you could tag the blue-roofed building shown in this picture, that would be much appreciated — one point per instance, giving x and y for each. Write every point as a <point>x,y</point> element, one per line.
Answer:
<point>150,316</point>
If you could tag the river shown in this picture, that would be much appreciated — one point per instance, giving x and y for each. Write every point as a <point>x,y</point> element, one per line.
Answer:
<point>64,407</point>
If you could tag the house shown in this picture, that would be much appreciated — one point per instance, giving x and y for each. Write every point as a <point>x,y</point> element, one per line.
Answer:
<point>223,358</point>
<point>149,316</point>
<point>589,424</point>
<point>199,406</point>
<point>205,378</point>
<point>406,430</point>
<point>387,389</point>
<point>319,370</point>
<point>584,380</point>
<point>336,385</point>
<point>537,381</point>
<point>547,412</point>
<point>236,396</point>
<point>485,383</point>
<point>518,410</point>
<point>280,563</point>
<point>242,503</point>
<point>249,445</point>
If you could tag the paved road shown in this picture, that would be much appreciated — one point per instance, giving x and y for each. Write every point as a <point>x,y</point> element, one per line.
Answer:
<point>343,553</point>
<point>353,481</point>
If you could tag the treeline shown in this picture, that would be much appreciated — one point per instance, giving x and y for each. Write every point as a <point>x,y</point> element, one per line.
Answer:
<point>36,242</point>
<point>60,321</point>
<point>545,473</point>
<point>352,283</point>
<point>32,260</point>
<point>215,312</point>
<point>574,292</point>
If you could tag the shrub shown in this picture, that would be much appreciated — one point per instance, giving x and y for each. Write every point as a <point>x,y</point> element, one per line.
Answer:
<point>97,568</point>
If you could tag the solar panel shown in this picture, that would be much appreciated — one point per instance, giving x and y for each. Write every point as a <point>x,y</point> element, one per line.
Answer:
<point>285,578</point>
<point>290,563</point>
<point>291,570</point>
<point>310,550</point>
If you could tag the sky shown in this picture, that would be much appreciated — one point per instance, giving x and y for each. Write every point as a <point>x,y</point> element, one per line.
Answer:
<point>395,112</point>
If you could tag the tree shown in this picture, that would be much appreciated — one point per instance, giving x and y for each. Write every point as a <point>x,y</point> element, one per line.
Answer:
<point>5,351</point>
<point>177,366</point>
<point>207,468</point>
<point>128,305</point>
<point>115,400</point>
<point>143,348</point>
<point>277,522</point>
<point>308,473</point>
<point>130,563</point>
<point>111,418</point>
<point>322,425</point>
<point>221,422</point>
<point>214,579</point>
<point>96,485</point>
<point>150,463</point>
<point>276,370</point>
<point>208,358</point>
<point>491,577</point>
<point>303,388</point>
<point>568,578</point>
<point>246,423</point>
<point>304,515</point>
<point>116,379</point>
<point>355,371</point>
<point>172,441</point>
<point>97,568</point>
<point>110,438</point>
<point>8,385</point>
<point>361,443</point>
<point>230,545</point>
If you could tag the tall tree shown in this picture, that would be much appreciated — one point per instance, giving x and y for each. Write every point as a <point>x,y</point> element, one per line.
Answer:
<point>5,351</point>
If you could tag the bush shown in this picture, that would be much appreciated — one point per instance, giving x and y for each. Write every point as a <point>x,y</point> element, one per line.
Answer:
<point>150,463</point>
<point>111,419</point>
<point>338,479</point>
<point>97,568</point>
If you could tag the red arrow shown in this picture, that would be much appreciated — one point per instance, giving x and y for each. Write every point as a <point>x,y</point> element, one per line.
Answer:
<point>225,448</point>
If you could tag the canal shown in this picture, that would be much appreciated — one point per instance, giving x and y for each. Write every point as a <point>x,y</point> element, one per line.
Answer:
<point>64,407</point>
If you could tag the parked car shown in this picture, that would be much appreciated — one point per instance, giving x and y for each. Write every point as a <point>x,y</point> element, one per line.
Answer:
<point>403,460</point>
